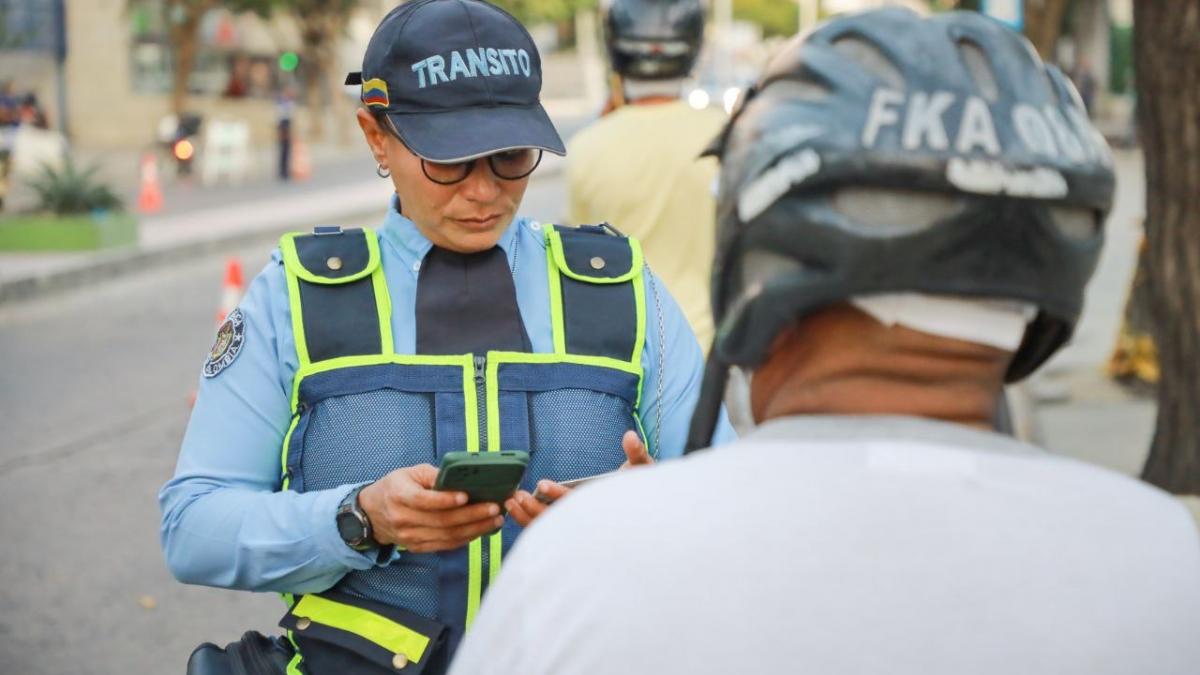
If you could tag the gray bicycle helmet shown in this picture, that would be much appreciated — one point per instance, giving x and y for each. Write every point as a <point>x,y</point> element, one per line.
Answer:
<point>888,152</point>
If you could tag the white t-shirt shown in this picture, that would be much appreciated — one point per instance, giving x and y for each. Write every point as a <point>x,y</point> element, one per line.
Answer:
<point>851,545</point>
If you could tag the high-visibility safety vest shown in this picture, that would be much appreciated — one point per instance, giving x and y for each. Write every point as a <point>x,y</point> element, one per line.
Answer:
<point>360,411</point>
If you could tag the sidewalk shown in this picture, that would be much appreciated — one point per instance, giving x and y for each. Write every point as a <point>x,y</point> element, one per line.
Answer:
<point>1076,410</point>
<point>197,220</point>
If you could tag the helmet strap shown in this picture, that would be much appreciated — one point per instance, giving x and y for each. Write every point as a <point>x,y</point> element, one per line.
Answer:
<point>708,405</point>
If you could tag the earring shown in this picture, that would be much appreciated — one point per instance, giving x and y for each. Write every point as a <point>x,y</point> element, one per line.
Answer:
<point>382,171</point>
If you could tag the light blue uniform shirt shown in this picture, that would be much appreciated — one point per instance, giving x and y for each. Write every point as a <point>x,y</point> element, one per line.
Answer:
<point>225,521</point>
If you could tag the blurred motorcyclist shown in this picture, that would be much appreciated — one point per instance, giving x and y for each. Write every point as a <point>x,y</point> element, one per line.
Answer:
<point>638,166</point>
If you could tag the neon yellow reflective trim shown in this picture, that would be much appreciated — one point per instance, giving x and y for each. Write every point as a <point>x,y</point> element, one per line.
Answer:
<point>383,308</point>
<point>293,666</point>
<point>379,629</point>
<point>642,430</point>
<point>493,400</point>
<point>287,444</point>
<point>497,551</point>
<point>557,320</point>
<point>297,320</point>
<point>474,578</point>
<point>639,304</point>
<point>555,246</point>
<point>475,548</point>
<point>291,260</point>
<point>470,404</point>
<point>496,358</point>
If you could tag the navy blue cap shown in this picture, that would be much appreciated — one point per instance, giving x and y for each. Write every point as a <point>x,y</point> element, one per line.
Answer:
<point>459,79</point>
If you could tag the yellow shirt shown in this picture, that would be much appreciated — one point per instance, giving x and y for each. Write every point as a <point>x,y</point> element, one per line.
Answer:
<point>638,169</point>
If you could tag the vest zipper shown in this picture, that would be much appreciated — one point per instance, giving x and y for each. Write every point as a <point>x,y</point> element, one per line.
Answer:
<point>481,400</point>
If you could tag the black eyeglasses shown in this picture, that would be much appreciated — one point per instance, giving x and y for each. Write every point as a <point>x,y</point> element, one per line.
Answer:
<point>512,164</point>
<point>508,165</point>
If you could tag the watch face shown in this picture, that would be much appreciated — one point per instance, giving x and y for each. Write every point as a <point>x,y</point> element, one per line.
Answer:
<point>350,528</point>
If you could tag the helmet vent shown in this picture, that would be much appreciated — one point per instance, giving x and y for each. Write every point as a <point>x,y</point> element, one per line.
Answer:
<point>886,212</point>
<point>1075,223</point>
<point>980,69</point>
<point>870,58</point>
<point>801,89</point>
<point>760,267</point>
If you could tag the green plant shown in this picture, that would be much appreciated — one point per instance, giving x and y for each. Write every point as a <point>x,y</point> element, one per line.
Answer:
<point>70,190</point>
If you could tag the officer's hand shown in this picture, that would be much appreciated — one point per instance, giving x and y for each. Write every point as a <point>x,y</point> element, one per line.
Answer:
<point>404,509</point>
<point>523,507</point>
<point>636,453</point>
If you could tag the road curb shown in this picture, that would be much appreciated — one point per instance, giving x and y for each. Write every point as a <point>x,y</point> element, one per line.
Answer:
<point>117,263</point>
<point>102,266</point>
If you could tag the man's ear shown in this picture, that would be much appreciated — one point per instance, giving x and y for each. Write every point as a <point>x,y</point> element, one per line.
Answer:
<point>375,136</point>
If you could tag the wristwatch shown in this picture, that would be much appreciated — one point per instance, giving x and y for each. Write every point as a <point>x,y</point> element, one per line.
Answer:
<point>353,524</point>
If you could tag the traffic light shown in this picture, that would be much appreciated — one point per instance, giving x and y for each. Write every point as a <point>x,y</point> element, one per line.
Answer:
<point>288,61</point>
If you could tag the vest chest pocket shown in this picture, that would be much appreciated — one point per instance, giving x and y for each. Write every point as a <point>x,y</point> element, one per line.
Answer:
<point>360,423</point>
<point>569,416</point>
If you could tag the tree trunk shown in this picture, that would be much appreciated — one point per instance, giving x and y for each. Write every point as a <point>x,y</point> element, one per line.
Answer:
<point>314,76</point>
<point>1167,64</point>
<point>185,43</point>
<point>320,32</point>
<point>1043,23</point>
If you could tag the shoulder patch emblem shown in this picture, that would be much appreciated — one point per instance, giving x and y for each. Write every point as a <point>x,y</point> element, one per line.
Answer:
<point>230,338</point>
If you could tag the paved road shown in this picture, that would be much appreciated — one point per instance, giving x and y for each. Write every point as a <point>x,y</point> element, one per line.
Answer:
<point>94,395</point>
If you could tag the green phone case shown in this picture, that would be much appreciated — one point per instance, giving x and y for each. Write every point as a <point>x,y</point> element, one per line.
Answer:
<point>484,476</point>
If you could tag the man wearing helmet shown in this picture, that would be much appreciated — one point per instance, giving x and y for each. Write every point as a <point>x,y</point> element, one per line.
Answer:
<point>881,278</point>
<point>638,166</point>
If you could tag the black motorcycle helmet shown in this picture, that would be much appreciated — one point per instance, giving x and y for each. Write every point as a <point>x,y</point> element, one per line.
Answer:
<point>653,39</point>
<point>886,152</point>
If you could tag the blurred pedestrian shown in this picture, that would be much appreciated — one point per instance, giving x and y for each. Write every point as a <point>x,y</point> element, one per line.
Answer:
<point>640,165</point>
<point>9,120</point>
<point>285,108</point>
<point>1085,82</point>
<point>358,359</point>
<point>881,271</point>
<point>30,113</point>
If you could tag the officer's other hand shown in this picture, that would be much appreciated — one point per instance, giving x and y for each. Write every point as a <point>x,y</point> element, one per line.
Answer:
<point>524,507</point>
<point>404,509</point>
<point>636,453</point>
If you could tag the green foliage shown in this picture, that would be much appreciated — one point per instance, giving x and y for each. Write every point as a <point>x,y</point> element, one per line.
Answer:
<point>536,11</point>
<point>70,190</point>
<point>776,17</point>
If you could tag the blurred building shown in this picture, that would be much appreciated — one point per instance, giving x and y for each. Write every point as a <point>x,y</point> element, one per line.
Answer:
<point>112,60</point>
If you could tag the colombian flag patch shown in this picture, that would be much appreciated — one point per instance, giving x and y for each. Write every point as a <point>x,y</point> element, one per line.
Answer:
<point>375,93</point>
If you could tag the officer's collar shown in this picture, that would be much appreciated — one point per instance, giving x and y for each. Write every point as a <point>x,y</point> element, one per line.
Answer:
<point>403,233</point>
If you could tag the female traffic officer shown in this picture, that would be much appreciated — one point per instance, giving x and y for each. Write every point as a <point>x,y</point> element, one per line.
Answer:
<point>359,358</point>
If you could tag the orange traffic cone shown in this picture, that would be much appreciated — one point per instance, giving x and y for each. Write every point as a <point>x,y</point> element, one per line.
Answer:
<point>301,164</point>
<point>150,198</point>
<point>231,289</point>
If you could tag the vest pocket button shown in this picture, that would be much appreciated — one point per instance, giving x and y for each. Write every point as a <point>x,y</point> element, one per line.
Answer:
<point>334,263</point>
<point>303,623</point>
<point>399,661</point>
<point>597,263</point>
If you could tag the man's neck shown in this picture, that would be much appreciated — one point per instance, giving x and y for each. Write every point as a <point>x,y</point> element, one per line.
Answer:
<point>843,362</point>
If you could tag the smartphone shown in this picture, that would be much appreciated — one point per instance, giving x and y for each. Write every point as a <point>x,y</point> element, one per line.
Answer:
<point>484,476</point>
<point>573,483</point>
